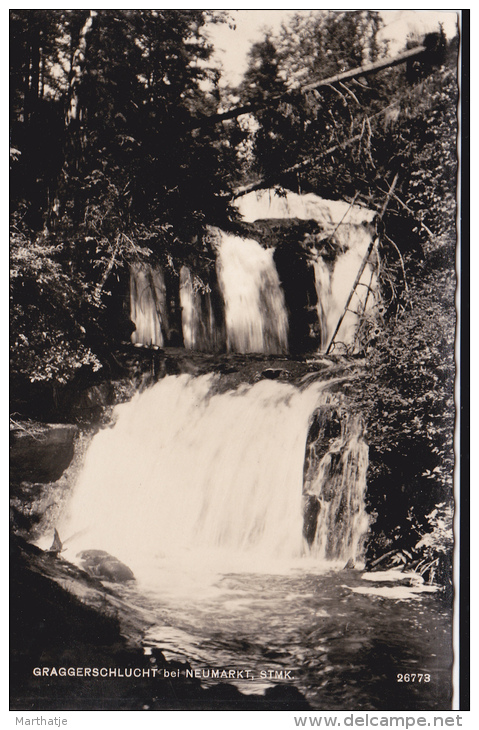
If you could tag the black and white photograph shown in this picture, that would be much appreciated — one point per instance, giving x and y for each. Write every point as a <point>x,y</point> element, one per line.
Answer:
<point>235,276</point>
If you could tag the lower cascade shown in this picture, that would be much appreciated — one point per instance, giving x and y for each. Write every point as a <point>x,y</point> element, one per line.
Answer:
<point>266,472</point>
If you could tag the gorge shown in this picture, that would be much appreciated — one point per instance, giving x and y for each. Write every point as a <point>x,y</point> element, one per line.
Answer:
<point>231,487</point>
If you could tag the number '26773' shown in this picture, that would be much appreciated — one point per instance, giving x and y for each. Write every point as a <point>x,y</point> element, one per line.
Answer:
<point>413,678</point>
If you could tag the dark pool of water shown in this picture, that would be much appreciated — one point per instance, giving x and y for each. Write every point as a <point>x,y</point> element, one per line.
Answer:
<point>343,641</point>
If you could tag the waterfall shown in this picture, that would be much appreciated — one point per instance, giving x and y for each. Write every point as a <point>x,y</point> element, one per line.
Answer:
<point>245,306</point>
<point>203,329</point>
<point>242,308</point>
<point>256,319</point>
<point>148,305</point>
<point>188,470</point>
<point>334,485</point>
<point>347,231</point>
<point>333,285</point>
<point>330,214</point>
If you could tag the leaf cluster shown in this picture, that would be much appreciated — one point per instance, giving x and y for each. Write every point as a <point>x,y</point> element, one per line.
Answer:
<point>48,341</point>
<point>349,138</point>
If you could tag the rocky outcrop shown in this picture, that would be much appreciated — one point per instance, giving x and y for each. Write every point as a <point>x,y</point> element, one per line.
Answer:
<point>41,452</point>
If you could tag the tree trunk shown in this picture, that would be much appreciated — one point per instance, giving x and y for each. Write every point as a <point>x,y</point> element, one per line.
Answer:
<point>76,70</point>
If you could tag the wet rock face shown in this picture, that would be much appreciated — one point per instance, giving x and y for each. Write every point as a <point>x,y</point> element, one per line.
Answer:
<point>102,565</point>
<point>33,504</point>
<point>41,454</point>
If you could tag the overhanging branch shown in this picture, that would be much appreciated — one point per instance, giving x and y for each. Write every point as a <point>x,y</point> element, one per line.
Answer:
<point>369,68</point>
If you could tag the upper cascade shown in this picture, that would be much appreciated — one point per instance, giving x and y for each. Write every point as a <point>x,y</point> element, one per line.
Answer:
<point>268,203</point>
<point>270,293</point>
<point>256,317</point>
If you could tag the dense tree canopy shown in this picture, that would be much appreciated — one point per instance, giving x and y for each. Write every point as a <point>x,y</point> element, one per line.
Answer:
<point>349,138</point>
<point>106,165</point>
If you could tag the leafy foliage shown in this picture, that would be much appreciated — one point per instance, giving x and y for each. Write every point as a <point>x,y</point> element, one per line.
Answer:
<point>407,396</point>
<point>106,168</point>
<point>350,138</point>
<point>305,125</point>
<point>48,341</point>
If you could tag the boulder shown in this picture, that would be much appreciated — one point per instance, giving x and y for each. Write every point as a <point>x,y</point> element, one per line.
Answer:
<point>102,565</point>
<point>274,373</point>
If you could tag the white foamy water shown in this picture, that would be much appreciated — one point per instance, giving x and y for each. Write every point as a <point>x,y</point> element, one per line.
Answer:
<point>329,213</point>
<point>188,477</point>
<point>340,486</point>
<point>350,230</point>
<point>255,311</point>
<point>333,287</point>
<point>200,492</point>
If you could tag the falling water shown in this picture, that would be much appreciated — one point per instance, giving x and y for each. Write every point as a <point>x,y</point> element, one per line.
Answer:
<point>330,214</point>
<point>188,471</point>
<point>334,486</point>
<point>148,305</point>
<point>202,329</point>
<point>333,286</point>
<point>256,319</point>
<point>347,230</point>
<point>234,508</point>
<point>249,313</point>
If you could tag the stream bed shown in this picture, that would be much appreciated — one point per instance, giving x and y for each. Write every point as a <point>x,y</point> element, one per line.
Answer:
<point>345,639</point>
